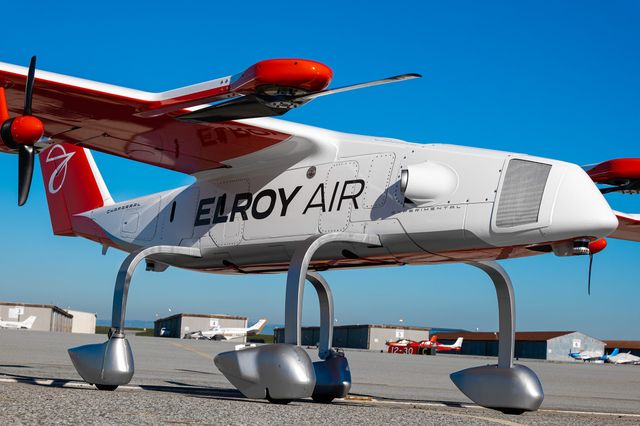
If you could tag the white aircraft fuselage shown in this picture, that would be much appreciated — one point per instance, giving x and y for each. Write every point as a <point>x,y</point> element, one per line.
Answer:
<point>456,204</point>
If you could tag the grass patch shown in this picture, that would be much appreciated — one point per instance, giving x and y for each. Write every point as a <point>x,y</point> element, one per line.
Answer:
<point>104,329</point>
<point>260,338</point>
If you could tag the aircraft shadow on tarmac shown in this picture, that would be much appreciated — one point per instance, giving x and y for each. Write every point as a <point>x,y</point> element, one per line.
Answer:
<point>175,387</point>
<point>201,391</point>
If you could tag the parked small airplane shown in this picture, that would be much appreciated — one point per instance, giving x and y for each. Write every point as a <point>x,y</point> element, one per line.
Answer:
<point>406,346</point>
<point>625,358</point>
<point>26,324</point>
<point>448,348</point>
<point>227,333</point>
<point>588,356</point>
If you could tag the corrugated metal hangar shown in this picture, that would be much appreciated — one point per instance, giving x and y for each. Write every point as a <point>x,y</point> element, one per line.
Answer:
<point>180,324</point>
<point>624,346</point>
<point>360,336</point>
<point>549,345</point>
<point>49,317</point>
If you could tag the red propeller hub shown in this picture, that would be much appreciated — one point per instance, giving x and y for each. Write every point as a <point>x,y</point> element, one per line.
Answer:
<point>597,246</point>
<point>26,129</point>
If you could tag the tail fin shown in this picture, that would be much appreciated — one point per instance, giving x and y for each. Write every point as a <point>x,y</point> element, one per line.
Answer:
<point>257,327</point>
<point>72,183</point>
<point>434,338</point>
<point>28,323</point>
<point>458,343</point>
<point>615,352</point>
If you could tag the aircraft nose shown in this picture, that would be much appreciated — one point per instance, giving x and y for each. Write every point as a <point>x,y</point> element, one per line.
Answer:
<point>580,210</point>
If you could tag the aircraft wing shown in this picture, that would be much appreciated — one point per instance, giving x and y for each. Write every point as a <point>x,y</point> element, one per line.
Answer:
<point>619,175</point>
<point>138,125</point>
<point>628,227</point>
<point>177,129</point>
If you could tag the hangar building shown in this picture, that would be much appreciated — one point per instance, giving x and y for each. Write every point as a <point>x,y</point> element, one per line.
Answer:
<point>549,345</point>
<point>48,317</point>
<point>180,324</point>
<point>83,322</point>
<point>624,346</point>
<point>360,336</point>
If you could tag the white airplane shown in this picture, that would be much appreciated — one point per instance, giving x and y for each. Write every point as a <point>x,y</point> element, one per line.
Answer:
<point>589,355</point>
<point>26,324</point>
<point>623,358</point>
<point>275,196</point>
<point>227,333</point>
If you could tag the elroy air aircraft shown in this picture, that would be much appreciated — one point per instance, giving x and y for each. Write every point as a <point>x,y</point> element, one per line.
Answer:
<point>272,196</point>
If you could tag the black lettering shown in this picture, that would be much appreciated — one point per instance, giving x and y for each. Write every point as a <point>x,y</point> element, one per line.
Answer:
<point>242,209</point>
<point>202,211</point>
<point>218,216</point>
<point>254,209</point>
<point>320,189</point>
<point>354,196</point>
<point>286,201</point>
<point>333,196</point>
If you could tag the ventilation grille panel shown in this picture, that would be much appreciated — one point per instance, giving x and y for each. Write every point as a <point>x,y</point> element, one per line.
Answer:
<point>521,195</point>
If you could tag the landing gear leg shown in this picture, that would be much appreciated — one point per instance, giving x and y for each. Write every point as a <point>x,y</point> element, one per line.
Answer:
<point>110,364</point>
<point>283,372</point>
<point>506,387</point>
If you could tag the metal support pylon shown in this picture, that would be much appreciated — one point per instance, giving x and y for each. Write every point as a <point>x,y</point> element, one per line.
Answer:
<point>110,364</point>
<point>505,387</point>
<point>283,372</point>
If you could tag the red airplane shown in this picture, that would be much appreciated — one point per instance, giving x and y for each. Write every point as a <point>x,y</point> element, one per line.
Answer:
<point>406,346</point>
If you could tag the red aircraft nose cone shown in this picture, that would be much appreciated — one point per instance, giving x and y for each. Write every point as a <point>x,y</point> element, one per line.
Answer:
<point>26,130</point>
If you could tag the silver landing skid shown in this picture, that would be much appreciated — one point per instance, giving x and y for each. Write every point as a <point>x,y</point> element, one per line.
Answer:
<point>505,387</point>
<point>105,365</point>
<point>279,372</point>
<point>284,372</point>
<point>110,364</point>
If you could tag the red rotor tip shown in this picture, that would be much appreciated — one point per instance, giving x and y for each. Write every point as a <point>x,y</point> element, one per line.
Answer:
<point>597,246</point>
<point>26,129</point>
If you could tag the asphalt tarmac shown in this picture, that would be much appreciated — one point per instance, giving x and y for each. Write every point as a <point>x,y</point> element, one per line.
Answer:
<point>176,383</point>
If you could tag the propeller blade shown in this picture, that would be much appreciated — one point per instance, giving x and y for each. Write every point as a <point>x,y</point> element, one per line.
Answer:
<point>394,79</point>
<point>589,279</point>
<point>26,158</point>
<point>28,91</point>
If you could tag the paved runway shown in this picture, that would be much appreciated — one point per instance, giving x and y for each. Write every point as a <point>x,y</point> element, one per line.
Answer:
<point>176,382</point>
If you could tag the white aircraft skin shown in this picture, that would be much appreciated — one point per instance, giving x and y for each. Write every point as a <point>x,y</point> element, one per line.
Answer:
<point>25,325</point>
<point>227,333</point>
<point>624,358</point>
<point>321,181</point>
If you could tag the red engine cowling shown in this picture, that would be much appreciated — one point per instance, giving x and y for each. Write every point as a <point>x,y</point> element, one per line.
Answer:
<point>301,74</point>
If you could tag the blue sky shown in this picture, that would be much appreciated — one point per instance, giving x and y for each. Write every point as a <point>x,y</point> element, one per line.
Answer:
<point>554,79</point>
